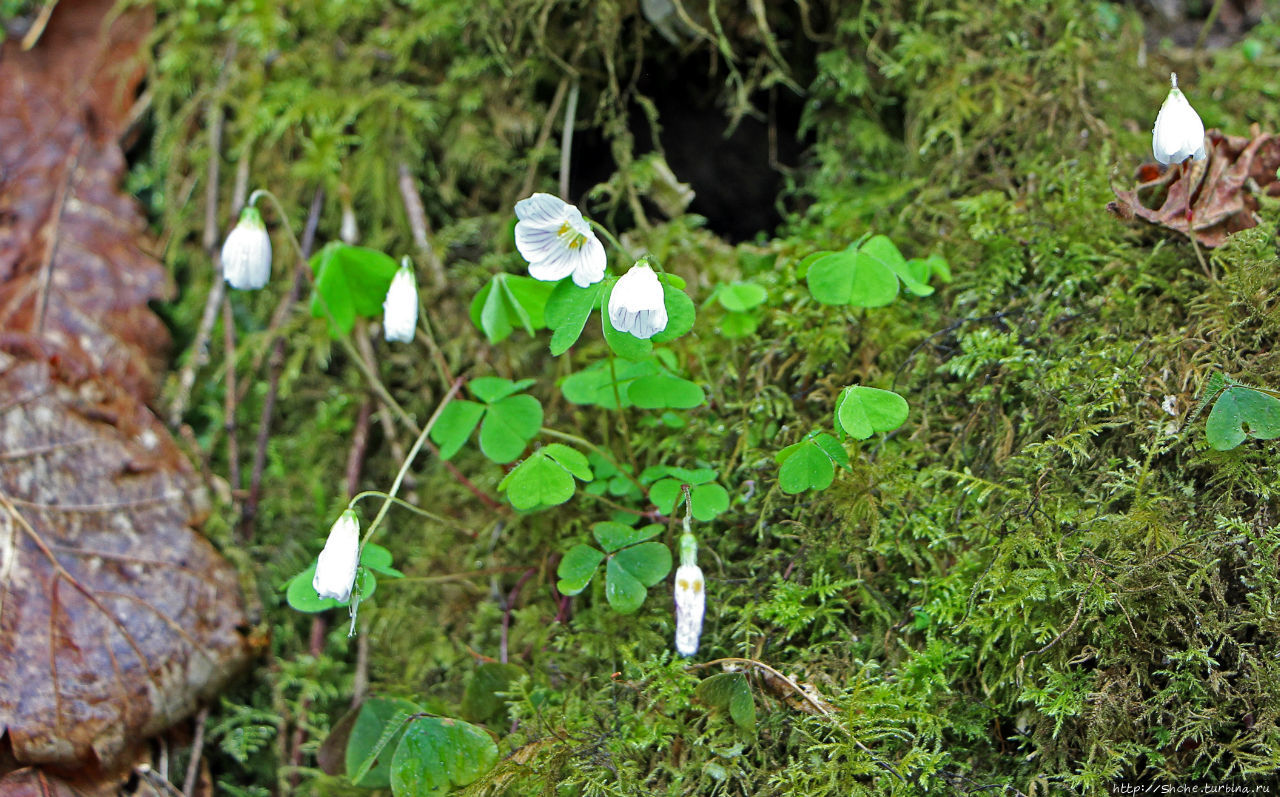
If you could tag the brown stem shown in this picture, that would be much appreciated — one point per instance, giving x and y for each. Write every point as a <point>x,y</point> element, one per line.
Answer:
<point>229,395</point>
<point>197,749</point>
<point>506,612</point>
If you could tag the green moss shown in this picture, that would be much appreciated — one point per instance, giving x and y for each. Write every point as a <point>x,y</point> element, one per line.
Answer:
<point>1042,582</point>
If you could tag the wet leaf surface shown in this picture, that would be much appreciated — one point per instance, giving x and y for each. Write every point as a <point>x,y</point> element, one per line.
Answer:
<point>116,615</point>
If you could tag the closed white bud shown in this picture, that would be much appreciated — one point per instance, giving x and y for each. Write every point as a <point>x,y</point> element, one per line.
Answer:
<point>246,254</point>
<point>1179,133</point>
<point>336,566</point>
<point>400,308</point>
<point>637,304</point>
<point>691,604</point>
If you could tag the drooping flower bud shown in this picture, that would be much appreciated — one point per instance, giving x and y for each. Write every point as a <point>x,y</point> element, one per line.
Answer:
<point>246,254</point>
<point>1179,133</point>
<point>691,597</point>
<point>336,567</point>
<point>400,308</point>
<point>637,304</point>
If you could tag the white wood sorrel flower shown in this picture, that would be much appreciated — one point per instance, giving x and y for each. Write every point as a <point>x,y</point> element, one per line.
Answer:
<point>246,254</point>
<point>336,567</point>
<point>552,235</point>
<point>1179,133</point>
<point>637,304</point>
<point>691,604</point>
<point>400,308</point>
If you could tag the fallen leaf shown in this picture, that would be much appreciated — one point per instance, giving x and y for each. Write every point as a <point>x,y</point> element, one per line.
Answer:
<point>1220,191</point>
<point>116,615</point>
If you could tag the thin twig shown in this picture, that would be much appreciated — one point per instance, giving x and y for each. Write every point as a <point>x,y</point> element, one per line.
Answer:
<point>419,225</point>
<point>200,347</point>
<point>544,134</point>
<point>197,749</point>
<point>566,139</point>
<point>506,612</point>
<point>229,396</point>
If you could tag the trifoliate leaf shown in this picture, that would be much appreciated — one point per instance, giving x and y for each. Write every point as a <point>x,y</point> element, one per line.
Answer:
<point>863,411</point>
<point>648,562</point>
<point>739,297</point>
<point>351,282</point>
<point>508,426</point>
<point>623,590</point>
<point>438,754</point>
<point>456,423</point>
<point>731,691</point>
<point>493,388</point>
<point>664,391</point>
<point>568,307</point>
<point>613,536</point>
<point>373,740</point>
<point>577,568</point>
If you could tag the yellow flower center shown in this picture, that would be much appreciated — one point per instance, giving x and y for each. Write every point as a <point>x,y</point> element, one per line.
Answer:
<point>569,236</point>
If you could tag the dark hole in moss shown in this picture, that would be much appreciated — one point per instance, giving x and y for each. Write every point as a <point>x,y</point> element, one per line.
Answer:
<point>736,178</point>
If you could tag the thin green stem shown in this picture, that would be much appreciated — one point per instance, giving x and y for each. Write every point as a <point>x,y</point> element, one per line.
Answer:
<point>401,502</point>
<point>437,356</point>
<point>600,228</point>
<point>284,217</point>
<point>408,460</point>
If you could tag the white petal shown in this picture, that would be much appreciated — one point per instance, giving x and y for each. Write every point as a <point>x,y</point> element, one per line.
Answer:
<point>537,243</point>
<point>637,304</point>
<point>1178,133</point>
<point>691,597</point>
<point>543,209</point>
<point>246,257</point>
<point>336,566</point>
<point>555,267</point>
<point>400,308</point>
<point>590,261</point>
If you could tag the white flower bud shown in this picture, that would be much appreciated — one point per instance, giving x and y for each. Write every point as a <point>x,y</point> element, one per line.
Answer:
<point>691,602</point>
<point>400,308</point>
<point>1179,133</point>
<point>246,254</point>
<point>336,566</point>
<point>637,304</point>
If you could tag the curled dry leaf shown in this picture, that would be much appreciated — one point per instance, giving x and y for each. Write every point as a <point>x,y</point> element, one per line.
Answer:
<point>1219,191</point>
<point>116,615</point>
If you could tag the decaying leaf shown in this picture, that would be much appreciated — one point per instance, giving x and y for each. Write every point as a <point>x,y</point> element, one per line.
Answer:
<point>116,615</point>
<point>1220,190</point>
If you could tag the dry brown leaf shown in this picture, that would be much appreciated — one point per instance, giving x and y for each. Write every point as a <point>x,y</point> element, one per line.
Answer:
<point>116,615</point>
<point>1221,189</point>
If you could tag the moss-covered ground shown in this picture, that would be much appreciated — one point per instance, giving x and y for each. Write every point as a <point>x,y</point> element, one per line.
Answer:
<point>1045,582</point>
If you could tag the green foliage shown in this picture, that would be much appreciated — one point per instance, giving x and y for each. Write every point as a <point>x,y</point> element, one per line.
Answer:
<point>378,728</point>
<point>508,420</point>
<point>632,565</point>
<point>508,301</point>
<point>811,463</point>
<point>1239,411</point>
<point>867,273</point>
<point>374,560</point>
<point>437,754</point>
<point>351,282</point>
<point>864,411</point>
<point>546,478</point>
<point>709,500</point>
<point>730,691</point>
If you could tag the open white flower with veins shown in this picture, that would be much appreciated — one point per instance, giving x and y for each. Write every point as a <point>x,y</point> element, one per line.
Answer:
<point>552,235</point>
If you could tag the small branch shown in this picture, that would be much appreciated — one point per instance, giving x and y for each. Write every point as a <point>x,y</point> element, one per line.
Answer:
<point>419,225</point>
<point>197,749</point>
<point>506,612</point>
<point>229,395</point>
<point>544,134</point>
<point>566,139</point>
